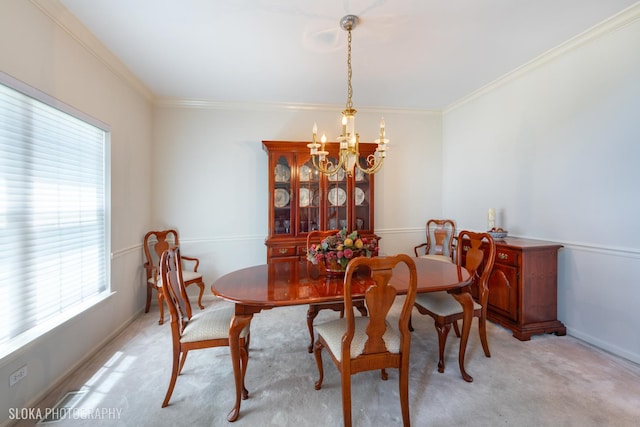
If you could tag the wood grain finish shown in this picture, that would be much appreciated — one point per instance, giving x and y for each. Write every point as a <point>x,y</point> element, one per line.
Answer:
<point>206,331</point>
<point>523,287</point>
<point>440,234</point>
<point>479,258</point>
<point>340,338</point>
<point>154,245</point>
<point>287,283</point>
<point>309,205</point>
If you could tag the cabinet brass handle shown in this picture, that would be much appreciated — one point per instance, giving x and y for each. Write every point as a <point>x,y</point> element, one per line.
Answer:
<point>502,255</point>
<point>283,250</point>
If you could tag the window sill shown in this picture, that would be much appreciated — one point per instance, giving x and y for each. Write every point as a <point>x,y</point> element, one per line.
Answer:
<point>20,344</point>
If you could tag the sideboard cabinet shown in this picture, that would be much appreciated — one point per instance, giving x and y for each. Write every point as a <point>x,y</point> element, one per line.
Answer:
<point>301,199</point>
<point>523,287</point>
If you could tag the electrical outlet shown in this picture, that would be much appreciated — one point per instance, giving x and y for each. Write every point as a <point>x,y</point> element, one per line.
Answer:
<point>17,375</point>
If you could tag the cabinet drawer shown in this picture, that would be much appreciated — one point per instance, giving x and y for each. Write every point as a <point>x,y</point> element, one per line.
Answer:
<point>506,256</point>
<point>282,251</point>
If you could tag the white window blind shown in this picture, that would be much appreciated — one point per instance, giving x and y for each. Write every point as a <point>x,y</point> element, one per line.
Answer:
<point>53,216</point>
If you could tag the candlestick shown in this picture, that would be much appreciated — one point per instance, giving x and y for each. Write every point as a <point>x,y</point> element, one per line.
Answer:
<point>491,219</point>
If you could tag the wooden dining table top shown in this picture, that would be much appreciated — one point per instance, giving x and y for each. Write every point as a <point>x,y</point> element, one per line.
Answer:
<point>294,282</point>
<point>288,283</point>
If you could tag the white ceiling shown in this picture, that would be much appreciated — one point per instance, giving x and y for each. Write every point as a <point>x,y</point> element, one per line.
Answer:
<point>419,54</point>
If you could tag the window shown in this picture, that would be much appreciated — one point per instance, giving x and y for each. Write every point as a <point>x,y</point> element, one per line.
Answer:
<point>54,241</point>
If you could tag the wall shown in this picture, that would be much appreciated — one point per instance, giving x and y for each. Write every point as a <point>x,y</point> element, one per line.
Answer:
<point>557,139</point>
<point>210,175</point>
<point>554,148</point>
<point>36,50</point>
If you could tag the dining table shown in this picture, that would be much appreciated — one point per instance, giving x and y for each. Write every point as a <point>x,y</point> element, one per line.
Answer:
<point>291,283</point>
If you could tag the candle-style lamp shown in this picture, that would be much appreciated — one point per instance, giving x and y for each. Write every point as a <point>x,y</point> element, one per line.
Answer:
<point>349,154</point>
<point>491,219</point>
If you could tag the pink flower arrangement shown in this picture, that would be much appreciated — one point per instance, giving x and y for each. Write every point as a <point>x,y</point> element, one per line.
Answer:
<point>341,248</point>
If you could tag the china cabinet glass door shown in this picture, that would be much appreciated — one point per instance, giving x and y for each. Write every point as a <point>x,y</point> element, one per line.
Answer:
<point>337,199</point>
<point>309,196</point>
<point>362,197</point>
<point>282,193</point>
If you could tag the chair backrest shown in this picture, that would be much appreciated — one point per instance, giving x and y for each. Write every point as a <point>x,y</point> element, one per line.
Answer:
<point>440,236</point>
<point>379,298</point>
<point>156,242</point>
<point>477,260</point>
<point>174,290</point>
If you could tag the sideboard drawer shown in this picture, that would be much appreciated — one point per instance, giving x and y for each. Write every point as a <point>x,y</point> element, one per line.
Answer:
<point>506,256</point>
<point>282,251</point>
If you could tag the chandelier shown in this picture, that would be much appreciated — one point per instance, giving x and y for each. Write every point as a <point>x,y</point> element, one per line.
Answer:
<point>349,139</point>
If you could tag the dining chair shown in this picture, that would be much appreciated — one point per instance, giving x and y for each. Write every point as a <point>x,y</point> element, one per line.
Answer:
<point>358,344</point>
<point>316,236</point>
<point>205,329</point>
<point>155,243</point>
<point>476,252</point>
<point>441,234</point>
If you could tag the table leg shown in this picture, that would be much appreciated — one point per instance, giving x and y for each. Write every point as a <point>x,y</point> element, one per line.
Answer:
<point>238,323</point>
<point>312,313</point>
<point>466,301</point>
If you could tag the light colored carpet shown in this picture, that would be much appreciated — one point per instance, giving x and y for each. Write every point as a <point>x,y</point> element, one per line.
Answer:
<point>548,381</point>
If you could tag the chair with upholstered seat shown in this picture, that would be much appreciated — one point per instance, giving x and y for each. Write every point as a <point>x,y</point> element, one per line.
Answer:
<point>440,238</point>
<point>476,252</point>
<point>358,344</point>
<point>208,328</point>
<point>315,237</point>
<point>155,243</point>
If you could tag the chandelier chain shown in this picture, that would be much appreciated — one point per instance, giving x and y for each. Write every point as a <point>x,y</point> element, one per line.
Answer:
<point>349,88</point>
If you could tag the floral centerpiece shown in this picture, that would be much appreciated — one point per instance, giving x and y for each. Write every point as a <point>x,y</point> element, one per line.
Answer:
<point>336,251</point>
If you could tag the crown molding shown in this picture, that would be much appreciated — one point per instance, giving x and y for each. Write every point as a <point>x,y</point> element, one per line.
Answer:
<point>72,26</point>
<point>65,20</point>
<point>205,104</point>
<point>608,26</point>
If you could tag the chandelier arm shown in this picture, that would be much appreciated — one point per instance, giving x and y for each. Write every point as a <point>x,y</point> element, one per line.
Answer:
<point>375,162</point>
<point>328,169</point>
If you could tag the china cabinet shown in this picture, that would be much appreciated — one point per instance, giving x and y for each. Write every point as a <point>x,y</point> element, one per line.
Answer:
<point>523,287</point>
<point>301,199</point>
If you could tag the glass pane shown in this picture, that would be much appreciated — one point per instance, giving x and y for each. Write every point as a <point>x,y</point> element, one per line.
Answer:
<point>362,197</point>
<point>282,196</point>
<point>53,214</point>
<point>337,200</point>
<point>309,198</point>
